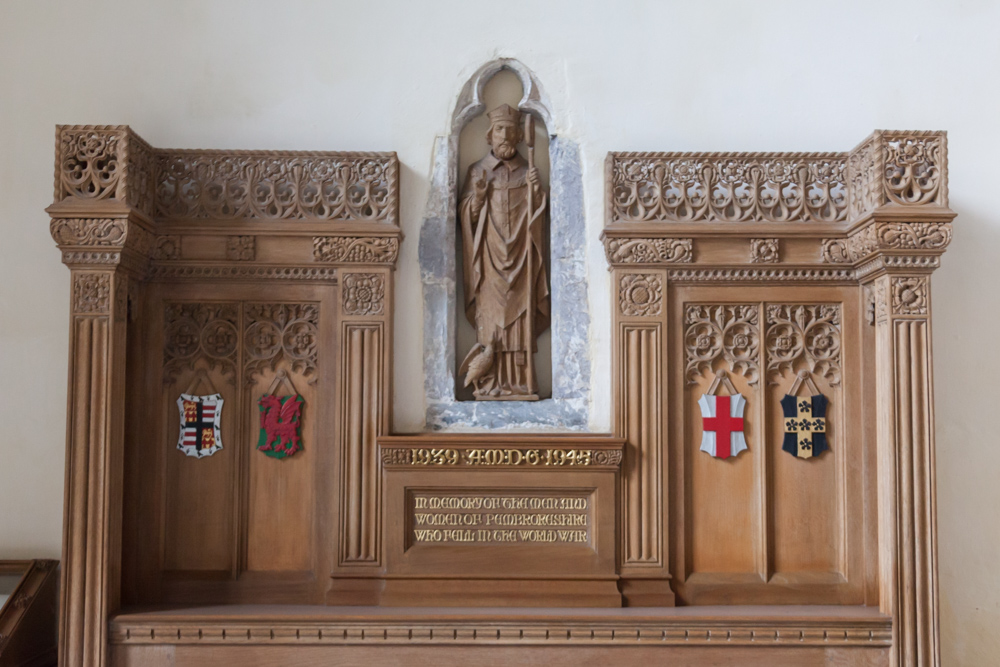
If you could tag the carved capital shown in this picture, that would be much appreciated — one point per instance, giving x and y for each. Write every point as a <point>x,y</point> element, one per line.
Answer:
<point>107,242</point>
<point>640,295</point>
<point>648,250</point>
<point>356,249</point>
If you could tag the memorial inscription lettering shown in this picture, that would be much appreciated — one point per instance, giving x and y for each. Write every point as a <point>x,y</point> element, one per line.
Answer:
<point>498,518</point>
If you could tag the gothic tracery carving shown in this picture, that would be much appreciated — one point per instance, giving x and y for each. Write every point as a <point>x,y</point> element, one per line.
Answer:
<point>771,187</point>
<point>912,168</point>
<point>728,332</point>
<point>803,333</point>
<point>276,330</point>
<point>355,249</point>
<point>196,331</point>
<point>640,295</point>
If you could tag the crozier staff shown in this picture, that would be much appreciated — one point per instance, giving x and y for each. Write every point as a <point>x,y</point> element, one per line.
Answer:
<point>506,288</point>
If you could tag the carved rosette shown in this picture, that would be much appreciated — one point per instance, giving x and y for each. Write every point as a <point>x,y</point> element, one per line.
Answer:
<point>92,293</point>
<point>356,249</point>
<point>909,295</point>
<point>728,332</point>
<point>640,295</point>
<point>764,187</point>
<point>241,248</point>
<point>397,456</point>
<point>607,457</point>
<point>281,330</point>
<point>806,335</point>
<point>764,250</point>
<point>195,331</point>
<point>835,251</point>
<point>648,250</point>
<point>364,294</point>
<point>167,248</point>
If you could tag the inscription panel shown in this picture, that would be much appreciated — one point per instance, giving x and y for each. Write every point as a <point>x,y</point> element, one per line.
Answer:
<point>501,517</point>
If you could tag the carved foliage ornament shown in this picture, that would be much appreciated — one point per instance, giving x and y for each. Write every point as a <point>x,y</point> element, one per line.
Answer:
<point>355,249</point>
<point>906,168</point>
<point>88,232</point>
<point>716,332</point>
<point>640,295</point>
<point>740,187</point>
<point>899,236</point>
<point>835,251</point>
<point>92,293</point>
<point>648,251</point>
<point>807,334</point>
<point>364,294</point>
<point>217,185</point>
<point>104,162</point>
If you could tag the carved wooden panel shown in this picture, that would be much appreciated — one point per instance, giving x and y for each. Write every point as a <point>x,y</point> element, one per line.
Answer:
<point>783,520</point>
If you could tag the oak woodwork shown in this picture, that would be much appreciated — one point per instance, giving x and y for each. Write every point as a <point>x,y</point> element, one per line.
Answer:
<point>225,271</point>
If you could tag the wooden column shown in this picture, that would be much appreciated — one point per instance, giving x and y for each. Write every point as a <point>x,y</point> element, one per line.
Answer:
<point>100,222</point>
<point>903,225</point>
<point>364,410</point>
<point>639,369</point>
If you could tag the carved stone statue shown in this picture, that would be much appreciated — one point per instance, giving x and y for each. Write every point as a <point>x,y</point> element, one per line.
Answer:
<point>506,288</point>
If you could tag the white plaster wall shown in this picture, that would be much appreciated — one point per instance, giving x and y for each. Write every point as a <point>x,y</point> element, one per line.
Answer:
<point>760,75</point>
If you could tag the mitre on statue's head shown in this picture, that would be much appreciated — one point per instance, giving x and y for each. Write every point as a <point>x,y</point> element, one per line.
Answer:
<point>505,114</point>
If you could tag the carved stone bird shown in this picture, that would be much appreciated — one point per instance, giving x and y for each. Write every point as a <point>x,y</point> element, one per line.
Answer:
<point>477,362</point>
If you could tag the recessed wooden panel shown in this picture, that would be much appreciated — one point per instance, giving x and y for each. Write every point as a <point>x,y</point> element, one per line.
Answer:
<point>724,515</point>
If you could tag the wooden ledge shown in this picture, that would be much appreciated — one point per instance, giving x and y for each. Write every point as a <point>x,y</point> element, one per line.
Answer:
<point>846,626</point>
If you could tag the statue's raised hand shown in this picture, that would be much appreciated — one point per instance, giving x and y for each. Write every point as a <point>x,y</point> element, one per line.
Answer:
<point>479,185</point>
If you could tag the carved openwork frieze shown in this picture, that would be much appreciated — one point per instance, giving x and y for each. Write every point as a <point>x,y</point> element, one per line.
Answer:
<point>806,334</point>
<point>640,295</point>
<point>909,295</point>
<point>281,330</point>
<point>730,187</point>
<point>356,249</point>
<point>364,294</point>
<point>904,168</point>
<point>728,332</point>
<point>765,250</point>
<point>648,250</point>
<point>106,162</point>
<point>92,293</point>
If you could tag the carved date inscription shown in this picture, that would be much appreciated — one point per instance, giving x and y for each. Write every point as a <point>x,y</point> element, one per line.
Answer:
<point>433,456</point>
<point>500,518</point>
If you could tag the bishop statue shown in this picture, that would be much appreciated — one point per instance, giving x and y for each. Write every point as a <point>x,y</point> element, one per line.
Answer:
<point>502,214</point>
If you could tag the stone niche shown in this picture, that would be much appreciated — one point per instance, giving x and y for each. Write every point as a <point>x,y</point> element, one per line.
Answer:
<point>565,401</point>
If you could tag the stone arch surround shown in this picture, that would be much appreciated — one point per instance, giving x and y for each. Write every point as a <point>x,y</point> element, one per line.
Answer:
<point>568,408</point>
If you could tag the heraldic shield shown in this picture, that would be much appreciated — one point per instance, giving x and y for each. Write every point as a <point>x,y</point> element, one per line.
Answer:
<point>722,425</point>
<point>200,419</point>
<point>805,425</point>
<point>280,425</point>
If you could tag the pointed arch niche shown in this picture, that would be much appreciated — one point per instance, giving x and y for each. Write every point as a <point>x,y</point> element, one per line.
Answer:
<point>566,407</point>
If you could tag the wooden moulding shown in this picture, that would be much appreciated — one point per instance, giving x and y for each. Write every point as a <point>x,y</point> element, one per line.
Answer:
<point>29,618</point>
